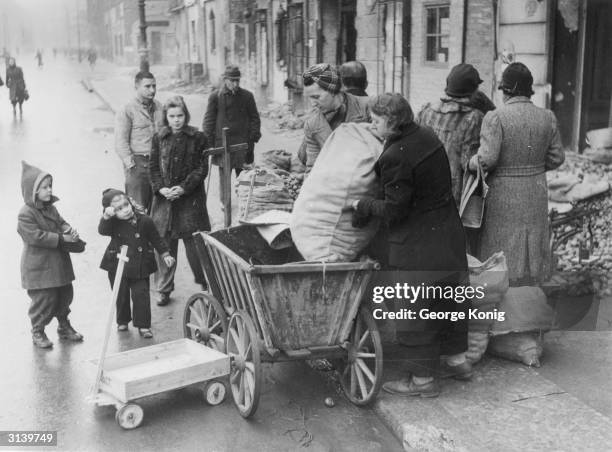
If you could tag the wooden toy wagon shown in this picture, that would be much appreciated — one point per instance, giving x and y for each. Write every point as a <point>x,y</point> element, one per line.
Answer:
<point>125,377</point>
<point>267,306</point>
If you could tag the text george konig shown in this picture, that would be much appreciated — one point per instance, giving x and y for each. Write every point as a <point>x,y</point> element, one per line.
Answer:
<point>426,314</point>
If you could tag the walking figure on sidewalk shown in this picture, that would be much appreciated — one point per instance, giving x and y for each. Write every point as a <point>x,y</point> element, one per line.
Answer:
<point>178,169</point>
<point>46,267</point>
<point>16,85</point>
<point>135,125</point>
<point>233,107</point>
<point>39,58</point>
<point>125,226</point>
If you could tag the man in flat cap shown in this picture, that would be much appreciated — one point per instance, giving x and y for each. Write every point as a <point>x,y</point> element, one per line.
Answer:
<point>354,78</point>
<point>456,121</point>
<point>234,107</point>
<point>331,107</point>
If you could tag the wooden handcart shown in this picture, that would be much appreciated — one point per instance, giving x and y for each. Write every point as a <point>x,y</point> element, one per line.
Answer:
<point>263,306</point>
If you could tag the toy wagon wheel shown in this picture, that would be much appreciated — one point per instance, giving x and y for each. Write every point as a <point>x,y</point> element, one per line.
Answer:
<point>245,374</point>
<point>362,370</point>
<point>129,416</point>
<point>214,393</point>
<point>204,321</point>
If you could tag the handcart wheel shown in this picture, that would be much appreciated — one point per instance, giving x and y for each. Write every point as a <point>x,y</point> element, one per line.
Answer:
<point>214,392</point>
<point>204,321</point>
<point>245,373</point>
<point>129,416</point>
<point>362,370</point>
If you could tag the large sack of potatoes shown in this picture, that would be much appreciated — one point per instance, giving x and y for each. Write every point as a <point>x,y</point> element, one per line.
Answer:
<point>526,310</point>
<point>343,172</point>
<point>524,348</point>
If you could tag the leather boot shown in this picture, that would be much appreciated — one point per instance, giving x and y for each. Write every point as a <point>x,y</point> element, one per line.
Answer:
<point>65,331</point>
<point>40,339</point>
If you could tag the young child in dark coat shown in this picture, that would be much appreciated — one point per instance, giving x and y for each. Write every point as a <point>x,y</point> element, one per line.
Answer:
<point>46,268</point>
<point>128,227</point>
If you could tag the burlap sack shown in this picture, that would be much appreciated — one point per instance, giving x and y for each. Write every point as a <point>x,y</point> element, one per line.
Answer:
<point>260,190</point>
<point>343,172</point>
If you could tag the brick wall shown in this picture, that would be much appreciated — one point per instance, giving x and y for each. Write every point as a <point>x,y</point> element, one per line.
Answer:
<point>480,41</point>
<point>427,80</point>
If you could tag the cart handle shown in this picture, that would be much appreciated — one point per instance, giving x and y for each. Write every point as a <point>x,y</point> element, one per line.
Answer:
<point>122,257</point>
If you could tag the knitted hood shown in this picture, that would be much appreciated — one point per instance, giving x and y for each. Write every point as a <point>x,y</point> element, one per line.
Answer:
<point>31,177</point>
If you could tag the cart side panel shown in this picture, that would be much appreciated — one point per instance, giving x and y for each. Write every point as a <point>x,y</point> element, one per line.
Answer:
<point>311,309</point>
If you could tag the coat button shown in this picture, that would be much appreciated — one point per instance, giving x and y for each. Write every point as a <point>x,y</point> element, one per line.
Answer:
<point>137,235</point>
<point>140,249</point>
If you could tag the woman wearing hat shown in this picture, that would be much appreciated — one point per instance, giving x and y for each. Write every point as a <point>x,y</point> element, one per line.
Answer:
<point>519,142</point>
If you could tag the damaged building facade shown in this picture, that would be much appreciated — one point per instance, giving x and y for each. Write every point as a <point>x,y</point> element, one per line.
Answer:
<point>408,46</point>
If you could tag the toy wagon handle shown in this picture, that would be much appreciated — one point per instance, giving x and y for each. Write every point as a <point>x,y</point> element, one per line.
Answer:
<point>122,257</point>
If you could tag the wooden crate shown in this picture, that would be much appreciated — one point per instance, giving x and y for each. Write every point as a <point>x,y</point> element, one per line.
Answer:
<point>162,367</point>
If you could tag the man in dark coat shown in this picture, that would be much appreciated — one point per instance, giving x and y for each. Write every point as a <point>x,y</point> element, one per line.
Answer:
<point>233,107</point>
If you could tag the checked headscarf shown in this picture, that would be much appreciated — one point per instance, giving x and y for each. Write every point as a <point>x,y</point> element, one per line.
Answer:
<point>325,75</point>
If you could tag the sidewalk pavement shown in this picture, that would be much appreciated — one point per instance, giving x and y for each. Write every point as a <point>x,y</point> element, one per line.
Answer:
<point>566,405</point>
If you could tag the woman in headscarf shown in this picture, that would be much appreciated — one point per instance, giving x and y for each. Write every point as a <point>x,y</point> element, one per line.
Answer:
<point>16,85</point>
<point>421,241</point>
<point>519,142</point>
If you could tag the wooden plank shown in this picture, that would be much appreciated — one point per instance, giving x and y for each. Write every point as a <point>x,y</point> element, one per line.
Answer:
<point>228,252</point>
<point>312,267</point>
<point>261,307</point>
<point>302,353</point>
<point>230,282</point>
<point>341,312</point>
<point>233,148</point>
<point>227,296</point>
<point>243,284</point>
<point>207,266</point>
<point>354,309</point>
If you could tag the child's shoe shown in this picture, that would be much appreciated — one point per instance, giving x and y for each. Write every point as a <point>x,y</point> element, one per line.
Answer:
<point>65,331</point>
<point>122,327</point>
<point>40,339</point>
<point>145,332</point>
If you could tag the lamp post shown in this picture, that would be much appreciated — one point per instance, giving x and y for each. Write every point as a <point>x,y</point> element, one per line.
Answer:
<point>142,50</point>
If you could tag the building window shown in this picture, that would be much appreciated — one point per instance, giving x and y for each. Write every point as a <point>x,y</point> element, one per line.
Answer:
<point>437,33</point>
<point>213,33</point>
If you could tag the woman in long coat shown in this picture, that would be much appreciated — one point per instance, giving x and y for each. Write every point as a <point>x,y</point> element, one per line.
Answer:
<point>519,142</point>
<point>422,240</point>
<point>177,170</point>
<point>16,85</point>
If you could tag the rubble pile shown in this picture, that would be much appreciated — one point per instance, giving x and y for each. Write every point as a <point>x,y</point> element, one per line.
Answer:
<point>581,276</point>
<point>283,116</point>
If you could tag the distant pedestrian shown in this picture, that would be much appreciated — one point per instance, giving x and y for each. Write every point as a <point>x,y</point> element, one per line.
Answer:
<point>15,82</point>
<point>46,267</point>
<point>39,58</point>
<point>178,169</point>
<point>92,56</point>
<point>331,107</point>
<point>135,125</point>
<point>233,107</point>
<point>519,142</point>
<point>354,78</point>
<point>125,226</point>
<point>54,53</point>
<point>456,122</point>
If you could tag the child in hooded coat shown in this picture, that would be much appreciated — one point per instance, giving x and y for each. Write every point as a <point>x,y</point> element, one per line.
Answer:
<point>127,226</point>
<point>46,268</point>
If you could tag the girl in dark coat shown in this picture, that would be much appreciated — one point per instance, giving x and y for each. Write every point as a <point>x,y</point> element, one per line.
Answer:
<point>421,241</point>
<point>177,170</point>
<point>16,85</point>
<point>127,227</point>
